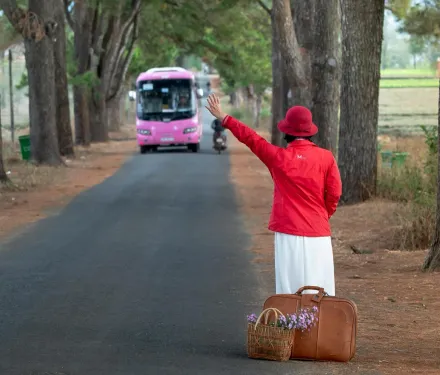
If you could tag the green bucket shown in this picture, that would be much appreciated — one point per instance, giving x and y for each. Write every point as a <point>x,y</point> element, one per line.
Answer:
<point>393,158</point>
<point>399,158</point>
<point>387,158</point>
<point>25,146</point>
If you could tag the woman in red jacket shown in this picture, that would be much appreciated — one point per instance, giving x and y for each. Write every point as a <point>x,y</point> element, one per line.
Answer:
<point>307,188</point>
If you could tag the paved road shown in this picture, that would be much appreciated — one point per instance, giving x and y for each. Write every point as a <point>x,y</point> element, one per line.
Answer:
<point>144,274</point>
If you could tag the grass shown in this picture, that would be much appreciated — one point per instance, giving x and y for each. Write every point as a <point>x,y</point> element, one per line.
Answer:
<point>408,83</point>
<point>23,175</point>
<point>414,187</point>
<point>403,111</point>
<point>422,72</point>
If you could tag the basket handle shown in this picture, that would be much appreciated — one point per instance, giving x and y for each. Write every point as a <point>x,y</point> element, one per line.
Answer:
<point>266,312</point>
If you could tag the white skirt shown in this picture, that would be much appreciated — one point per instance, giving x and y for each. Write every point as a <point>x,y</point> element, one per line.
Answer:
<point>301,261</point>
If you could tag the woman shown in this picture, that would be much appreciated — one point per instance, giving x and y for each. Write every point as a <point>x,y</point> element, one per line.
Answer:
<point>306,193</point>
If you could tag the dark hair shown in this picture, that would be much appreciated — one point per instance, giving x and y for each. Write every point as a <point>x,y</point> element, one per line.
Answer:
<point>290,138</point>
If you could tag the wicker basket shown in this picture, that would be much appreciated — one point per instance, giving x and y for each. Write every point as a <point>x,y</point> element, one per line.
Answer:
<point>268,342</point>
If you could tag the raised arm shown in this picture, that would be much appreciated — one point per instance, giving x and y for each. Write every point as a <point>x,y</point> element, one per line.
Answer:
<point>333,187</point>
<point>265,151</point>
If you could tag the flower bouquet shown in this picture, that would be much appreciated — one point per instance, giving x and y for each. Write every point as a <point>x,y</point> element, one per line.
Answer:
<point>274,340</point>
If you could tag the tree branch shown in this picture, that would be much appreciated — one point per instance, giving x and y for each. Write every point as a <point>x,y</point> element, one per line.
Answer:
<point>135,11</point>
<point>9,7</point>
<point>123,67</point>
<point>69,15</point>
<point>265,7</point>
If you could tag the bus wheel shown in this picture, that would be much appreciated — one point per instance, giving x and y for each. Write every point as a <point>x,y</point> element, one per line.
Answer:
<point>144,149</point>
<point>194,147</point>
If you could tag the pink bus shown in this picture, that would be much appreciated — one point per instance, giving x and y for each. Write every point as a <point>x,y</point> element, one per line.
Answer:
<point>168,109</point>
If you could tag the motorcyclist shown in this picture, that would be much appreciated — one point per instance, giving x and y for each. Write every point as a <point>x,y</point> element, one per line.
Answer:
<point>219,131</point>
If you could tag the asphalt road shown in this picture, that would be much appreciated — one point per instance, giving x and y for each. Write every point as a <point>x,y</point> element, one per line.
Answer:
<point>144,274</point>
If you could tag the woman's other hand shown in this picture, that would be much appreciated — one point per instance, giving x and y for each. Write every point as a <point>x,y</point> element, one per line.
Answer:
<point>215,108</point>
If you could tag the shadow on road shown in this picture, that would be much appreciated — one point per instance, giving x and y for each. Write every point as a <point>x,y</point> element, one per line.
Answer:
<point>204,151</point>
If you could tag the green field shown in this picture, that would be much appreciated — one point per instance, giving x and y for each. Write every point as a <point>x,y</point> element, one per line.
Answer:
<point>408,73</point>
<point>409,83</point>
<point>403,110</point>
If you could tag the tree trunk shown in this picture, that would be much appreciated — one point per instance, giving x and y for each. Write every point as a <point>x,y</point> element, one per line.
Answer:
<point>114,110</point>
<point>325,73</point>
<point>233,98</point>
<point>64,129</point>
<point>432,261</point>
<point>82,19</point>
<point>82,121</point>
<point>42,111</point>
<point>362,28</point>
<point>3,176</point>
<point>277,85</point>
<point>256,110</point>
<point>296,60</point>
<point>98,116</point>
<point>303,17</point>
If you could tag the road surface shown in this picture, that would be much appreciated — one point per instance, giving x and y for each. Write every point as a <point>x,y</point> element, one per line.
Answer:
<point>144,274</point>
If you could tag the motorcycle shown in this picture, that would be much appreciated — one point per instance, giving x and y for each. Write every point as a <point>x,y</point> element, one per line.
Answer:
<point>219,142</point>
<point>219,138</point>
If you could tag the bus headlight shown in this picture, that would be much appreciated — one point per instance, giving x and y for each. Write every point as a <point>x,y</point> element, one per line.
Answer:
<point>144,131</point>
<point>190,130</point>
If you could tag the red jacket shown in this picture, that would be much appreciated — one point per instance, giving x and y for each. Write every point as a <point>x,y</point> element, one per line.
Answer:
<point>306,178</point>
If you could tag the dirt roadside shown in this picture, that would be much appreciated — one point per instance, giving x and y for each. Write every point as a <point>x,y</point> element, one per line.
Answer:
<point>399,323</point>
<point>44,190</point>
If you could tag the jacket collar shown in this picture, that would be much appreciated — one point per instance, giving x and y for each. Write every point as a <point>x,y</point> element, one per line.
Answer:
<point>300,142</point>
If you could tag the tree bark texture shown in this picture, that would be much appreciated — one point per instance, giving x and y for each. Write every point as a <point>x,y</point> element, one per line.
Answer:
<point>114,111</point>
<point>37,27</point>
<point>432,261</point>
<point>308,43</point>
<point>362,29</point>
<point>326,72</point>
<point>3,176</point>
<point>64,129</point>
<point>41,75</point>
<point>257,110</point>
<point>81,110</point>
<point>98,116</point>
<point>112,50</point>
<point>277,107</point>
<point>303,22</point>
<point>294,58</point>
<point>81,25</point>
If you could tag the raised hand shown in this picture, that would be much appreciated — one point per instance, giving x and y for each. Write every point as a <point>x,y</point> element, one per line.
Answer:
<point>215,108</point>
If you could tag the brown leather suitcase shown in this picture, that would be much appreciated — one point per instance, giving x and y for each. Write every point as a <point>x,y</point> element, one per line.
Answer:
<point>334,336</point>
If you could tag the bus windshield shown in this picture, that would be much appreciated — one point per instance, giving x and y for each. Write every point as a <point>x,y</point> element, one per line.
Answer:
<point>166,100</point>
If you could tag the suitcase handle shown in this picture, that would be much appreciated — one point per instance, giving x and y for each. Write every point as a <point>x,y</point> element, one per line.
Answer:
<point>308,287</point>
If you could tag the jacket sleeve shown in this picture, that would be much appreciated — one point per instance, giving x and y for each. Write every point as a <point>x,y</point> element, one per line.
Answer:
<point>333,187</point>
<point>265,151</point>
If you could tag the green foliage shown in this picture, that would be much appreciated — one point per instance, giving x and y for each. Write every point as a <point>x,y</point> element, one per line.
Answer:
<point>233,36</point>
<point>431,141</point>
<point>87,80</point>
<point>398,7</point>
<point>423,19</point>
<point>24,82</point>
<point>417,188</point>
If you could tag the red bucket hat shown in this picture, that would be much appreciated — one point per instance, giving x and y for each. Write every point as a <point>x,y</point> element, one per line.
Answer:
<point>298,122</point>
